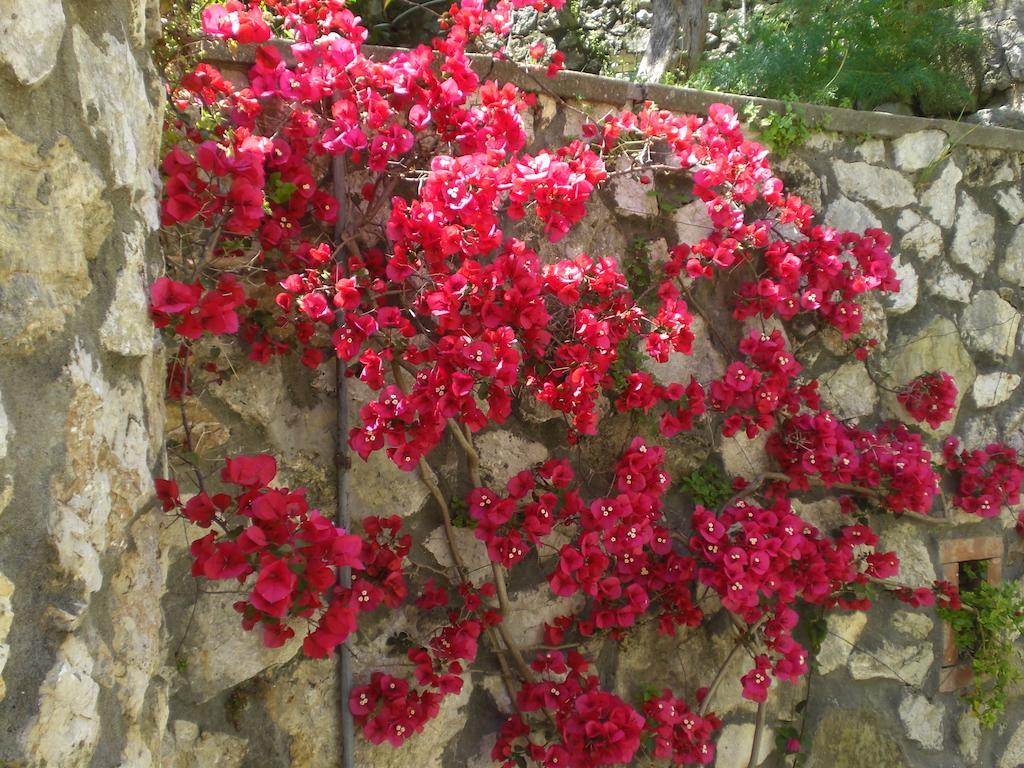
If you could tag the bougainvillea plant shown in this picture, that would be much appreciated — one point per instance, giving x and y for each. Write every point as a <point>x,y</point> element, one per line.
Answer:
<point>387,213</point>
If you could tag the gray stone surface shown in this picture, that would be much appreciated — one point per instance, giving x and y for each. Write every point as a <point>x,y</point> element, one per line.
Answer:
<point>991,389</point>
<point>924,240</point>
<point>881,186</point>
<point>850,391</point>
<point>847,215</point>
<point>915,151</point>
<point>1012,203</point>
<point>989,325</point>
<point>855,738</point>
<point>974,241</point>
<point>906,299</point>
<point>909,664</point>
<point>81,628</point>
<point>950,285</point>
<point>922,720</point>
<point>47,197</point>
<point>1011,268</point>
<point>844,629</point>
<point>913,624</point>
<point>735,745</point>
<point>1013,754</point>
<point>30,35</point>
<point>940,197</point>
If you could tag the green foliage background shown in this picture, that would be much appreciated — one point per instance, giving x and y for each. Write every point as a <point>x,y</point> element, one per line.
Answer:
<point>855,53</point>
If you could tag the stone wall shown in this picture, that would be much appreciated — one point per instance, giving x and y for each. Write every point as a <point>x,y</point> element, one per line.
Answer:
<point>81,386</point>
<point>952,198</point>
<point>112,655</point>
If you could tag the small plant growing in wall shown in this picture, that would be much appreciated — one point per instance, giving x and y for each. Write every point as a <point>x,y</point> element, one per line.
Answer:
<point>781,131</point>
<point>386,216</point>
<point>987,622</point>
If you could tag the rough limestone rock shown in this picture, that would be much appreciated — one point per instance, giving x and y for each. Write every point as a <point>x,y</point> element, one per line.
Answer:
<point>936,347</point>
<point>800,179</point>
<point>220,654</point>
<point>843,630</point>
<point>530,610</point>
<point>909,544</point>
<point>692,222</point>
<point>990,325</point>
<point>916,626</point>
<point>872,151</point>
<point>845,214</point>
<point>1012,203</point>
<point>881,186</point>
<point>186,747</point>
<point>1013,754</point>
<point>128,329</point>
<point>632,197</point>
<point>48,198</point>
<point>137,642</point>
<point>5,430</point>
<point>974,241</point>
<point>924,240</point>
<point>940,199</point>
<point>850,391</point>
<point>855,738</point>
<point>302,704</point>
<point>906,299</point>
<point>30,35</point>
<point>1011,268</point>
<point>106,476</point>
<point>504,455</point>
<point>473,551</point>
<point>922,720</point>
<point>116,106</point>
<point>824,514</point>
<point>949,285</point>
<point>377,487</point>
<point>909,664</point>
<point>67,728</point>
<point>968,731</point>
<point>991,389</point>
<point>914,151</point>
<point>908,219</point>
<point>6,619</point>
<point>743,457</point>
<point>735,743</point>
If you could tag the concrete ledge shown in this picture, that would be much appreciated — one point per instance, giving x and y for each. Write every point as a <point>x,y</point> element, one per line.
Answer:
<point>579,86</point>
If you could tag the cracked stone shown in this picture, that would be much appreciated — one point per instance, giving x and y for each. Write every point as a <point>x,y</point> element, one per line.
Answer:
<point>974,241</point>
<point>883,187</point>
<point>990,324</point>
<point>845,214</point>
<point>940,199</point>
<point>30,36</point>
<point>914,151</point>
<point>991,389</point>
<point>922,720</point>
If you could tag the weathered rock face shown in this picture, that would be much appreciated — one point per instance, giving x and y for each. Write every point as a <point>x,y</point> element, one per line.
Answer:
<point>81,633</point>
<point>854,738</point>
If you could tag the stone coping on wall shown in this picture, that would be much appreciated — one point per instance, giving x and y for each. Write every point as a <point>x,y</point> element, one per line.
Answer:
<point>580,86</point>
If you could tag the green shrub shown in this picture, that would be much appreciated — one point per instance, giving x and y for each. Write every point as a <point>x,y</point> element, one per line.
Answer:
<point>856,53</point>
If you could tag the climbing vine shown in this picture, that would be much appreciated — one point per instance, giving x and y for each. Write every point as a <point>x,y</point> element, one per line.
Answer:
<point>387,214</point>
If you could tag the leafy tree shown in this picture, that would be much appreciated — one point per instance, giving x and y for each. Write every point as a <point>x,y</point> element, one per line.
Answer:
<point>858,53</point>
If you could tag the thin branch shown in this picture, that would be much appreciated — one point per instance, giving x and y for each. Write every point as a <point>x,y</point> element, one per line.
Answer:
<point>755,748</point>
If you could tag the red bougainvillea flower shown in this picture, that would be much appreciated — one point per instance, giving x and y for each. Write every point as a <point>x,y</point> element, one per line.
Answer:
<point>930,398</point>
